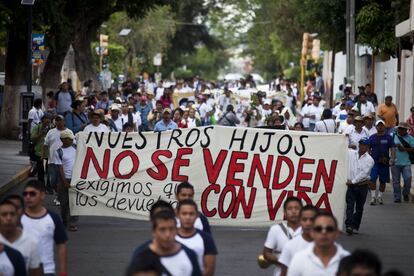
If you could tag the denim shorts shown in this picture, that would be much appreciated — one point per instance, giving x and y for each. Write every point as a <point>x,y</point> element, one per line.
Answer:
<point>382,171</point>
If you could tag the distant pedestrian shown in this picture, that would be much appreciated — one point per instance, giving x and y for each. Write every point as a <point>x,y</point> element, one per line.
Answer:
<point>402,166</point>
<point>326,124</point>
<point>35,114</point>
<point>410,122</point>
<point>229,117</point>
<point>360,164</point>
<point>166,123</point>
<point>388,112</point>
<point>76,120</point>
<point>382,146</point>
<point>46,226</point>
<point>65,158</point>
<point>38,136</point>
<point>64,99</point>
<point>96,124</point>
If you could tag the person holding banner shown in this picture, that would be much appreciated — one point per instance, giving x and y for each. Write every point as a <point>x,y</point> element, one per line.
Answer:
<point>201,242</point>
<point>359,171</point>
<point>279,234</point>
<point>95,123</point>
<point>176,259</point>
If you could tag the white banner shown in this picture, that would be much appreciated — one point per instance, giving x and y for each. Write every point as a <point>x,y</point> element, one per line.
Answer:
<point>241,176</point>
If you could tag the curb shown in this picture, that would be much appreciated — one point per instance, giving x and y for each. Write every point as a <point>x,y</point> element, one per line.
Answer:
<point>19,177</point>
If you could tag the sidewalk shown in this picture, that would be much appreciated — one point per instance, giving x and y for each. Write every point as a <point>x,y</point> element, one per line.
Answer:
<point>13,167</point>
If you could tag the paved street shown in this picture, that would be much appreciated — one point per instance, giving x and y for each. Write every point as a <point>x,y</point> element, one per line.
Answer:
<point>103,246</point>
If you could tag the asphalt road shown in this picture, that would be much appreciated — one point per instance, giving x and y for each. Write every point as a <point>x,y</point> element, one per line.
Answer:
<point>103,246</point>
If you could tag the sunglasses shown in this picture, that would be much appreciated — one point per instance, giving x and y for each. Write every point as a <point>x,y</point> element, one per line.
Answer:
<point>327,229</point>
<point>30,194</point>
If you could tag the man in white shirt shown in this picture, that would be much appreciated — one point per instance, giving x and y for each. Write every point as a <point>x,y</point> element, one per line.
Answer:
<point>65,158</point>
<point>46,226</point>
<point>115,122</point>
<point>12,235</point>
<point>280,234</point>
<point>307,215</point>
<point>204,110</point>
<point>95,123</point>
<point>224,100</point>
<point>369,124</point>
<point>360,164</point>
<point>199,241</point>
<point>363,106</point>
<point>127,116</point>
<point>51,144</point>
<point>312,113</point>
<point>174,258</point>
<point>35,114</point>
<point>322,257</point>
<point>356,132</point>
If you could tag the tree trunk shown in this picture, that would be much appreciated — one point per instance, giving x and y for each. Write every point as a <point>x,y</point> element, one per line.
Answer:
<point>15,82</point>
<point>84,59</point>
<point>51,77</point>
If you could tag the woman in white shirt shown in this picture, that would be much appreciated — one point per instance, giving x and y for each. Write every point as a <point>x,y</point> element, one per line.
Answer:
<point>326,124</point>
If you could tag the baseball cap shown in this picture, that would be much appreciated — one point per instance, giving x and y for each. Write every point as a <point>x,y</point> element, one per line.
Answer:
<point>59,117</point>
<point>166,110</point>
<point>403,125</point>
<point>266,102</point>
<point>67,134</point>
<point>380,122</point>
<point>358,118</point>
<point>364,141</point>
<point>115,107</point>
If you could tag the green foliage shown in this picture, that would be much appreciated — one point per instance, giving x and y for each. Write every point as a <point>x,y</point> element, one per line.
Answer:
<point>292,73</point>
<point>114,59</point>
<point>375,24</point>
<point>207,62</point>
<point>181,73</point>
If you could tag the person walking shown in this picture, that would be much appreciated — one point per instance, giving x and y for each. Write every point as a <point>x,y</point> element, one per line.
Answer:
<point>229,118</point>
<point>402,167</point>
<point>360,164</point>
<point>388,112</point>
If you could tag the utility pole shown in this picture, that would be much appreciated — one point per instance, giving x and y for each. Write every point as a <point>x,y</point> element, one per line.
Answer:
<point>350,41</point>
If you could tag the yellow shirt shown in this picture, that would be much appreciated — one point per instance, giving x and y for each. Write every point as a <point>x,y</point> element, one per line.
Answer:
<point>389,113</point>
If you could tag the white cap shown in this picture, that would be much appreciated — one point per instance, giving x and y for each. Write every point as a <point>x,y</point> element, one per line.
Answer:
<point>115,107</point>
<point>348,85</point>
<point>379,122</point>
<point>267,102</point>
<point>67,134</point>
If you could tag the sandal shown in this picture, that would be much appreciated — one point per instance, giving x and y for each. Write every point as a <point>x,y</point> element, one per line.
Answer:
<point>73,228</point>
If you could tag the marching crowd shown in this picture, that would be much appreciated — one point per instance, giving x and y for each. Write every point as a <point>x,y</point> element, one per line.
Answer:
<point>182,243</point>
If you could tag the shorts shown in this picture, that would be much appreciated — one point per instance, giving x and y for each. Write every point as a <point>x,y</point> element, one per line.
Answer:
<point>381,170</point>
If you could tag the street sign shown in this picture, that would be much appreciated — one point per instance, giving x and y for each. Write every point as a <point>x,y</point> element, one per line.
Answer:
<point>38,46</point>
<point>157,61</point>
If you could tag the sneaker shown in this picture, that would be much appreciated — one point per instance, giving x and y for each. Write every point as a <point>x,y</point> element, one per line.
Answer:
<point>397,200</point>
<point>355,231</point>
<point>373,201</point>
<point>406,198</point>
<point>380,201</point>
<point>349,230</point>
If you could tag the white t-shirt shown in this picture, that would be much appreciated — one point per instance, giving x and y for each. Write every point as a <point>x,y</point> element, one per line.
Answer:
<point>367,108</point>
<point>67,159</point>
<point>354,136</point>
<point>328,126</point>
<point>203,109</point>
<point>52,140</point>
<point>276,239</point>
<point>370,131</point>
<point>6,266</point>
<point>306,263</point>
<point>159,91</point>
<point>201,243</point>
<point>201,223</point>
<point>36,116</point>
<point>178,264</point>
<point>124,119</point>
<point>137,118</point>
<point>312,110</point>
<point>292,247</point>
<point>224,101</point>
<point>100,128</point>
<point>28,246</point>
<point>48,230</point>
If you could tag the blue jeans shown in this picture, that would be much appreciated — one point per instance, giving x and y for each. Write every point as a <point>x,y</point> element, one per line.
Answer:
<point>396,172</point>
<point>356,196</point>
<point>53,175</point>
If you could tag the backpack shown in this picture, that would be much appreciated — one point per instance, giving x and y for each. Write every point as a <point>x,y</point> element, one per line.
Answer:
<point>406,145</point>
<point>60,152</point>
